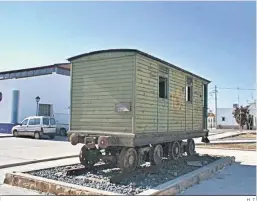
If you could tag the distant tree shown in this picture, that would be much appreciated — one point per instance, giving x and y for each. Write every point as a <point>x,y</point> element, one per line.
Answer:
<point>241,115</point>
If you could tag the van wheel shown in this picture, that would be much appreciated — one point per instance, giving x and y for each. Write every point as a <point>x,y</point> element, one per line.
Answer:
<point>62,132</point>
<point>15,133</point>
<point>37,135</point>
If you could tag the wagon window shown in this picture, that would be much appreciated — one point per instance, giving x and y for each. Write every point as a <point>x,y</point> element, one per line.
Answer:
<point>163,87</point>
<point>189,94</point>
<point>189,88</point>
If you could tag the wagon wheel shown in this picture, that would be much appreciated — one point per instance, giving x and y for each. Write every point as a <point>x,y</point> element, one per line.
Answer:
<point>174,150</point>
<point>128,160</point>
<point>190,147</point>
<point>157,155</point>
<point>85,159</point>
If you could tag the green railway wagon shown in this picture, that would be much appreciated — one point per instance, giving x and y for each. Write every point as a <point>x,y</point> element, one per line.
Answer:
<point>128,107</point>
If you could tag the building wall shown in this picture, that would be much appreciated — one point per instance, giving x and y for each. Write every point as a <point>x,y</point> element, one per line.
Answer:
<point>211,122</point>
<point>229,120</point>
<point>99,82</point>
<point>52,89</point>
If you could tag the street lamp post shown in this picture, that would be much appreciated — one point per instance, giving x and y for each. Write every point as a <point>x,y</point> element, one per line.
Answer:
<point>37,100</point>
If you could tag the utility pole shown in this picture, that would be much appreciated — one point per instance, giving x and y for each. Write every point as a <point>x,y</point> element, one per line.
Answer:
<point>239,109</point>
<point>216,110</point>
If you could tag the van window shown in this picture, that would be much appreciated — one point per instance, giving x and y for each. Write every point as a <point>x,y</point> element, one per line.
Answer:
<point>46,121</point>
<point>34,121</point>
<point>24,122</point>
<point>52,121</point>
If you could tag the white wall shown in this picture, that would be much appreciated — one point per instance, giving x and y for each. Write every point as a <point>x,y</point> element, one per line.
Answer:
<point>211,122</point>
<point>229,119</point>
<point>52,89</point>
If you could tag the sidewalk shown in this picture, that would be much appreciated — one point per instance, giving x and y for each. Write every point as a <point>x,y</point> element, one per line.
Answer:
<point>17,151</point>
<point>237,179</point>
<point>221,135</point>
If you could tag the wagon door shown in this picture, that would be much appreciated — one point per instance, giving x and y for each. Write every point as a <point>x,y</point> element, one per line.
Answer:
<point>163,100</point>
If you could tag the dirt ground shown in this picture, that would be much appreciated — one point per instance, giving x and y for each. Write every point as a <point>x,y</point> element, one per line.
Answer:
<point>236,146</point>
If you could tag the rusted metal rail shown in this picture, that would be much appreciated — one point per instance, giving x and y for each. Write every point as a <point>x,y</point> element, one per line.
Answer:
<point>82,170</point>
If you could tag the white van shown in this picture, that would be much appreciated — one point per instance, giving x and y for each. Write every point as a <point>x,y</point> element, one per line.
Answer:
<point>36,126</point>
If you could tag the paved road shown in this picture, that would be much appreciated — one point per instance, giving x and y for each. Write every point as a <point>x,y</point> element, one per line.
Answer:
<point>17,150</point>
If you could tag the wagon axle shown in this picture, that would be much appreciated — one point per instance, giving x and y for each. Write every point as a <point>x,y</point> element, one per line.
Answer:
<point>129,158</point>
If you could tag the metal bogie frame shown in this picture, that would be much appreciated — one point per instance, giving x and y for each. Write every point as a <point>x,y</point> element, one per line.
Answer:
<point>129,151</point>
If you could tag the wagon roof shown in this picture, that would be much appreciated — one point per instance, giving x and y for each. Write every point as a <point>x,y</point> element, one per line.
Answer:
<point>139,52</point>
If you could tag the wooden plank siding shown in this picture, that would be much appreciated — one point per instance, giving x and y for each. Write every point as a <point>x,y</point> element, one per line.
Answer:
<point>98,83</point>
<point>154,115</point>
<point>177,101</point>
<point>146,110</point>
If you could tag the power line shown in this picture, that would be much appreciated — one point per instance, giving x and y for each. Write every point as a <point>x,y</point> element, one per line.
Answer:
<point>236,88</point>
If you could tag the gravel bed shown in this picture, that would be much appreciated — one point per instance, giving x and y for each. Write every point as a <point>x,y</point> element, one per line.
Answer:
<point>129,186</point>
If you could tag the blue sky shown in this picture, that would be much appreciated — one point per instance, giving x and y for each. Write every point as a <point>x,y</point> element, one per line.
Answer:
<point>213,39</point>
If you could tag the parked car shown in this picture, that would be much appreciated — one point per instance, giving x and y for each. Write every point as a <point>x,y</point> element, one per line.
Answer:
<point>61,129</point>
<point>36,126</point>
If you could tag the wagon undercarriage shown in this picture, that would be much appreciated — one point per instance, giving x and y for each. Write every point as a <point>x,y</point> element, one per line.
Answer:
<point>128,153</point>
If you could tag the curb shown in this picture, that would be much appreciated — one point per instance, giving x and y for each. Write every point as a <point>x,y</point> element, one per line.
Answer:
<point>36,161</point>
<point>5,136</point>
<point>50,186</point>
<point>183,182</point>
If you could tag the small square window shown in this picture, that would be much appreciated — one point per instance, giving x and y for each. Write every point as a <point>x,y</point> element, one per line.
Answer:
<point>222,118</point>
<point>163,89</point>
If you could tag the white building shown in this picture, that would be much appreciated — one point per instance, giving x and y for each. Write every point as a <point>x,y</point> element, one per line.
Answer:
<point>19,88</point>
<point>225,118</point>
<point>211,121</point>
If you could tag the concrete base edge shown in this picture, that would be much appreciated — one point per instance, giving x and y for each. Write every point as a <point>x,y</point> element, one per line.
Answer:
<point>36,161</point>
<point>181,183</point>
<point>49,185</point>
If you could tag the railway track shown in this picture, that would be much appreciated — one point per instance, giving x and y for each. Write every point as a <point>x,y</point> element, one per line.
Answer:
<point>119,176</point>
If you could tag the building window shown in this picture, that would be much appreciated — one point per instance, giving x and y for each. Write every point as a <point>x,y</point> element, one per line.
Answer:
<point>222,118</point>
<point>7,76</point>
<point>163,87</point>
<point>12,75</point>
<point>30,73</point>
<point>189,89</point>
<point>18,74</point>
<point>44,110</point>
<point>24,74</point>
